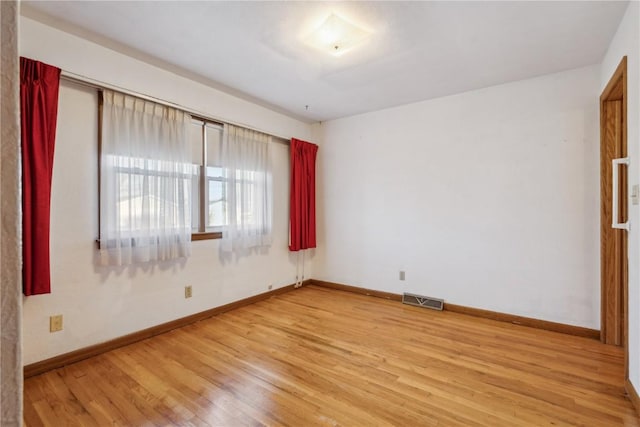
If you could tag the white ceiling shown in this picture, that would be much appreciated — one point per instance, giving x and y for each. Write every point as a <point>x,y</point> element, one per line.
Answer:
<point>419,50</point>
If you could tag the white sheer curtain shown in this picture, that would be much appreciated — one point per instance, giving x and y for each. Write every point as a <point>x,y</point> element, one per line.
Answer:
<point>145,181</point>
<point>247,173</point>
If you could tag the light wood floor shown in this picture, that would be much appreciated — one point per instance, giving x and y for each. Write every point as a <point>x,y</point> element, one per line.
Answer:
<point>316,356</point>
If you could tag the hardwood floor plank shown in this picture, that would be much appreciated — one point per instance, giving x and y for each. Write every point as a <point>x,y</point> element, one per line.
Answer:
<point>323,357</point>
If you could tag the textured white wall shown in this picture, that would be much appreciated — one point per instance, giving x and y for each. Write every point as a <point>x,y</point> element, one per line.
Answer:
<point>487,199</point>
<point>10,254</point>
<point>101,303</point>
<point>626,42</point>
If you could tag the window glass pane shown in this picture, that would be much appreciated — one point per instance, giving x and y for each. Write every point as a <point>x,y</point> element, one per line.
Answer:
<point>215,203</point>
<point>195,138</point>
<point>196,159</point>
<point>214,194</point>
<point>195,199</point>
<point>245,187</point>
<point>214,144</point>
<point>129,190</point>
<point>214,172</point>
<point>142,198</point>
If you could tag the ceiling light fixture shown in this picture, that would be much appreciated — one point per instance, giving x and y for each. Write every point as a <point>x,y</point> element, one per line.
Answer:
<point>336,36</point>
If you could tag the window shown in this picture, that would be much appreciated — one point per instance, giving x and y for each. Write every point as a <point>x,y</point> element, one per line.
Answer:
<point>168,178</point>
<point>247,174</point>
<point>231,183</point>
<point>208,210</point>
<point>145,181</point>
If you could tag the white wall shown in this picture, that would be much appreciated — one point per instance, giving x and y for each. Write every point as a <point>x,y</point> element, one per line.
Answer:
<point>487,199</point>
<point>627,42</point>
<point>100,303</point>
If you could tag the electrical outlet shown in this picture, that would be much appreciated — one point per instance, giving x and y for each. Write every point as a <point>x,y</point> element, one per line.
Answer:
<point>401,275</point>
<point>55,323</point>
<point>270,287</point>
<point>188,292</point>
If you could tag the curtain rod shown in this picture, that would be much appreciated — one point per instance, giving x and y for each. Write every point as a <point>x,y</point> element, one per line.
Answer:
<point>96,84</point>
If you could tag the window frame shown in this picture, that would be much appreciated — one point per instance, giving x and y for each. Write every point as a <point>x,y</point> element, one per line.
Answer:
<point>202,233</point>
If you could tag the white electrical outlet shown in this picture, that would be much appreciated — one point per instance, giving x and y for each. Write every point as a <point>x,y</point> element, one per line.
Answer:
<point>188,292</point>
<point>55,323</point>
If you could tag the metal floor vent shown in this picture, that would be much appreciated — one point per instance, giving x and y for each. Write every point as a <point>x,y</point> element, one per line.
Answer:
<point>422,301</point>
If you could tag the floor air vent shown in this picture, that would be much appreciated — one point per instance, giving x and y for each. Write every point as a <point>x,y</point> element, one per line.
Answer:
<point>422,301</point>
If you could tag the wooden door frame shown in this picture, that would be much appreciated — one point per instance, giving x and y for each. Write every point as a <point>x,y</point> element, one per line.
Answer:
<point>620,75</point>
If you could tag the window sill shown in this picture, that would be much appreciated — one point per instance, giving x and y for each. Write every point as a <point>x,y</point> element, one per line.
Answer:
<point>206,236</point>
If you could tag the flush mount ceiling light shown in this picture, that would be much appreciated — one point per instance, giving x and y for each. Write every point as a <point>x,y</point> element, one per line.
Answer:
<point>336,36</point>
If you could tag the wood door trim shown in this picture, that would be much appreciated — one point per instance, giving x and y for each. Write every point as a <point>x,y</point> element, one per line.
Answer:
<point>620,73</point>
<point>612,241</point>
<point>612,92</point>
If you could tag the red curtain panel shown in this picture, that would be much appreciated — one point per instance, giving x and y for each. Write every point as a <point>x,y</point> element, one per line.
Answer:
<point>302,210</point>
<point>39,87</point>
